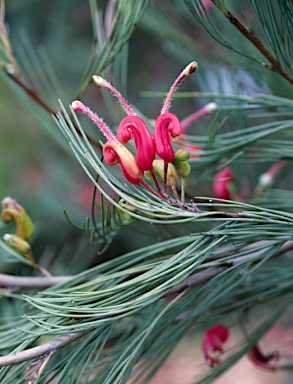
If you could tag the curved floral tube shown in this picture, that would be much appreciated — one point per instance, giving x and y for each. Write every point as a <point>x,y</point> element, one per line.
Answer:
<point>167,128</point>
<point>134,127</point>
<point>116,153</point>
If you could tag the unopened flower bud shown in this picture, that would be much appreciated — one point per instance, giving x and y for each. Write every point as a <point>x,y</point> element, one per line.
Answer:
<point>124,204</point>
<point>172,176</point>
<point>11,210</point>
<point>17,243</point>
<point>190,68</point>
<point>100,81</point>
<point>181,155</point>
<point>211,107</point>
<point>183,168</point>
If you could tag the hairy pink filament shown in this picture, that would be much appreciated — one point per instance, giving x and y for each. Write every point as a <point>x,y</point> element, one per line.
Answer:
<point>78,106</point>
<point>167,127</point>
<point>133,127</point>
<point>186,72</point>
<point>104,83</point>
<point>196,115</point>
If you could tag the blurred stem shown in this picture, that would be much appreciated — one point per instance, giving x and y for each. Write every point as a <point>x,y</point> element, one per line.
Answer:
<point>29,255</point>
<point>165,176</point>
<point>50,346</point>
<point>183,182</point>
<point>45,106</point>
<point>31,94</point>
<point>251,36</point>
<point>156,181</point>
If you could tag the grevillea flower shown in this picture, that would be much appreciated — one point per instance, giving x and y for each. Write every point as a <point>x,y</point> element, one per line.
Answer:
<point>134,127</point>
<point>114,152</point>
<point>213,341</point>
<point>168,127</point>
<point>222,184</point>
<point>264,361</point>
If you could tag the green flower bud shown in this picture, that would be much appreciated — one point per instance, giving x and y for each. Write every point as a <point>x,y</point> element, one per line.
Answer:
<point>181,155</point>
<point>172,176</point>
<point>17,243</point>
<point>11,210</point>
<point>130,208</point>
<point>183,168</point>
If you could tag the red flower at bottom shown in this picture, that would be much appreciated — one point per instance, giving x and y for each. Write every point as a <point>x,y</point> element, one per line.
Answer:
<point>213,341</point>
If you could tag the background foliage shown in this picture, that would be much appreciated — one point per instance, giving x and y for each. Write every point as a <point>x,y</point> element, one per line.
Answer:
<point>135,289</point>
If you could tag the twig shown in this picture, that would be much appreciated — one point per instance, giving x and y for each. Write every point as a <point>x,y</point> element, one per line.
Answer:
<point>51,346</point>
<point>202,277</point>
<point>46,107</point>
<point>250,35</point>
<point>21,282</point>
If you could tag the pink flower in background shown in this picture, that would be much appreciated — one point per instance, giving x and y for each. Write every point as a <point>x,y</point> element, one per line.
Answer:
<point>264,361</point>
<point>213,341</point>
<point>222,184</point>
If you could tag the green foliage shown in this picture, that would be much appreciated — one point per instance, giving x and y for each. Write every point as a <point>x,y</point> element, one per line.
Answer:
<point>123,309</point>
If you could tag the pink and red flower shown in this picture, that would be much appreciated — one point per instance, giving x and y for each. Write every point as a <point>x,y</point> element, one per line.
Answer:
<point>213,341</point>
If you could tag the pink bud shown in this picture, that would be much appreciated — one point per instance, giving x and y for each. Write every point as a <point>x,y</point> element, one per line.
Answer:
<point>264,361</point>
<point>222,184</point>
<point>167,128</point>
<point>134,127</point>
<point>213,341</point>
<point>116,153</point>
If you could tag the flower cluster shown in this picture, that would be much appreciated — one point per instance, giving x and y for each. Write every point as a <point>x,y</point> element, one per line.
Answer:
<point>167,129</point>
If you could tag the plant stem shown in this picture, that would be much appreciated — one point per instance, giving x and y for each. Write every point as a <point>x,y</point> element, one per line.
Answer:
<point>46,107</point>
<point>50,346</point>
<point>251,36</point>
